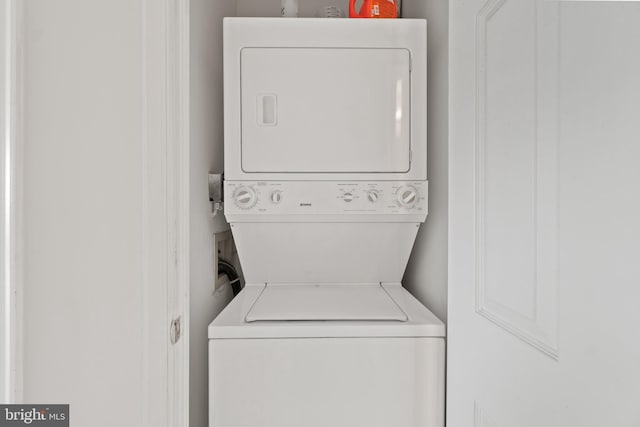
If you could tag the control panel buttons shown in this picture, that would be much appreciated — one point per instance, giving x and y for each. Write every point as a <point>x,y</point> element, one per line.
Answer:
<point>276,196</point>
<point>245,197</point>
<point>374,200</point>
<point>407,197</point>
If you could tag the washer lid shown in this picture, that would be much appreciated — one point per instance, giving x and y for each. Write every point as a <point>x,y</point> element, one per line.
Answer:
<point>232,322</point>
<point>281,302</point>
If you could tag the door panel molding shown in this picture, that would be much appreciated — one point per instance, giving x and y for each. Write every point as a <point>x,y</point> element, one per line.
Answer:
<point>537,333</point>
<point>531,215</point>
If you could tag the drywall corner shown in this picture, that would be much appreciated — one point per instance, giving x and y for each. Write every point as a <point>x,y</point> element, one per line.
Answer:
<point>426,275</point>
<point>206,156</point>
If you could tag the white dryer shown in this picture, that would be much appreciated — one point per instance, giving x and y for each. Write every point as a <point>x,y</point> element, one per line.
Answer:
<point>325,188</point>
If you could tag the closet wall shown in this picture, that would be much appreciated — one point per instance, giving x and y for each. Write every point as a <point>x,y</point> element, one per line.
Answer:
<point>426,275</point>
<point>206,156</point>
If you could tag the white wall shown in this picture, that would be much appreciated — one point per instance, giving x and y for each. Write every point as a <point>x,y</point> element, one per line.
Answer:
<point>426,275</point>
<point>307,8</point>
<point>206,156</point>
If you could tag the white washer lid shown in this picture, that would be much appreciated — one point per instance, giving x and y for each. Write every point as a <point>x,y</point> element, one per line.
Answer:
<point>231,323</point>
<point>325,302</point>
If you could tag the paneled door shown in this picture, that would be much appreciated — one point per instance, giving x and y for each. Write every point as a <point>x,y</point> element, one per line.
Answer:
<point>98,226</point>
<point>544,230</point>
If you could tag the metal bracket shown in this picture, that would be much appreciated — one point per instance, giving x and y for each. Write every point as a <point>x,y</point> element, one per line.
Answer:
<point>215,192</point>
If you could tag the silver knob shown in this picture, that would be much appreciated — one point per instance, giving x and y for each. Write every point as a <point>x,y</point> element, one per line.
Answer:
<point>276,196</point>
<point>372,196</point>
<point>347,197</point>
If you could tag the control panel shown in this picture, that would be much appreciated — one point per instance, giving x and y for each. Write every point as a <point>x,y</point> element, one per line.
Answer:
<point>325,197</point>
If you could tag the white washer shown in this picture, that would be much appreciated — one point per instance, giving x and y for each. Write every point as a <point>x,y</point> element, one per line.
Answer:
<point>325,184</point>
<point>363,365</point>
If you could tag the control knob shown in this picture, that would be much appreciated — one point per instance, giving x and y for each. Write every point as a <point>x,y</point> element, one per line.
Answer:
<point>245,197</point>
<point>276,196</point>
<point>407,197</point>
<point>373,196</point>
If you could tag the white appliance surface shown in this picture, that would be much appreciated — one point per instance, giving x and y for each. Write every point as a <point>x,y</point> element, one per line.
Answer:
<point>325,231</point>
<point>323,252</point>
<point>335,201</point>
<point>334,301</point>
<point>325,99</point>
<point>315,110</point>
<point>328,382</point>
<point>232,322</point>
<point>339,373</point>
<point>325,183</point>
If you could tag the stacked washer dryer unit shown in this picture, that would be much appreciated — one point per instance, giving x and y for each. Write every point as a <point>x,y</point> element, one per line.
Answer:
<point>325,188</point>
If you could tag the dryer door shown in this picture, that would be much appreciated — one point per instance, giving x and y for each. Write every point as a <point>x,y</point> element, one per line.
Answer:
<point>325,110</point>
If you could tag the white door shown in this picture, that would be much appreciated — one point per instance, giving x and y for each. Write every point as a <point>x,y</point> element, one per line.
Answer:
<point>98,229</point>
<point>7,119</point>
<point>325,110</point>
<point>544,207</point>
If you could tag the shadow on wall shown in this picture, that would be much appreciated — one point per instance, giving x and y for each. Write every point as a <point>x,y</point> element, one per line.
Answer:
<point>426,275</point>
